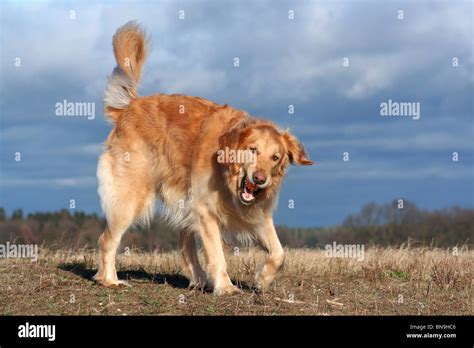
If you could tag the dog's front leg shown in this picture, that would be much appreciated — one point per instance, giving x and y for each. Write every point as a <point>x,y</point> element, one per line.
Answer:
<point>270,241</point>
<point>216,264</point>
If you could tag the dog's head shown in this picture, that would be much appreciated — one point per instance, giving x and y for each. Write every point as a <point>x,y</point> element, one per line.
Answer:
<point>256,154</point>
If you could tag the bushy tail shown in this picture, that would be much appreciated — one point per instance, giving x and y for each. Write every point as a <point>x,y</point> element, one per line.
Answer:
<point>130,48</point>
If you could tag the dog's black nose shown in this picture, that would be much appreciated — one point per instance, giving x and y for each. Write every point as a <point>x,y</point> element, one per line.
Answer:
<point>259,178</point>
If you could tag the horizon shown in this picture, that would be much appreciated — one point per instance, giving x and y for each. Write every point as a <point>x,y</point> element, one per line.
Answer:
<point>157,216</point>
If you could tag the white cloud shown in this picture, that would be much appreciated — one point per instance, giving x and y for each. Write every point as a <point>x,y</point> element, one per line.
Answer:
<point>412,142</point>
<point>93,149</point>
<point>379,170</point>
<point>83,182</point>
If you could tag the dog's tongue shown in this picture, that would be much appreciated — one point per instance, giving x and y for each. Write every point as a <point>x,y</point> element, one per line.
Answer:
<point>248,196</point>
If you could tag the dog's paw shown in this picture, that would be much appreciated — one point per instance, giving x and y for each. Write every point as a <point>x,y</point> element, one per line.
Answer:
<point>121,284</point>
<point>199,285</point>
<point>110,283</point>
<point>227,290</point>
<point>199,282</point>
<point>261,282</point>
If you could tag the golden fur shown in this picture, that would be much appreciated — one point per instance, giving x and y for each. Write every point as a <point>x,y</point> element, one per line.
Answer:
<point>165,147</point>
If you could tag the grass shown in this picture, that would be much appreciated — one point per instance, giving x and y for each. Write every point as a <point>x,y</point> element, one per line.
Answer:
<point>405,281</point>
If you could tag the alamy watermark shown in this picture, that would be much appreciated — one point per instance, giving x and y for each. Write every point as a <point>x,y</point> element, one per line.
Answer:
<point>356,251</point>
<point>236,156</point>
<point>400,109</point>
<point>28,330</point>
<point>75,109</point>
<point>24,251</point>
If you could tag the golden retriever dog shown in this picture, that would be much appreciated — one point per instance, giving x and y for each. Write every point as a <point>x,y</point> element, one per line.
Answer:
<point>187,152</point>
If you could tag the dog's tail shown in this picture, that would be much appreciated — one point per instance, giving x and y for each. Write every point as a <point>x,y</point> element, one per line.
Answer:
<point>130,48</point>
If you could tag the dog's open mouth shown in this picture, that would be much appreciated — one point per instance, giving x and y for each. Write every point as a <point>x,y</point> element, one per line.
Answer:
<point>248,191</point>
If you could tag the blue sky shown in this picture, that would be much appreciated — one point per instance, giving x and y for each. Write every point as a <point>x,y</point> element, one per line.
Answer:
<point>282,61</point>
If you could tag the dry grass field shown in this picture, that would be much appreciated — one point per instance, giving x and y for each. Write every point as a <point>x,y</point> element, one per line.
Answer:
<point>388,281</point>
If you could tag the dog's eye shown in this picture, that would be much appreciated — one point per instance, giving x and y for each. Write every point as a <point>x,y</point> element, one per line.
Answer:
<point>253,149</point>
<point>275,158</point>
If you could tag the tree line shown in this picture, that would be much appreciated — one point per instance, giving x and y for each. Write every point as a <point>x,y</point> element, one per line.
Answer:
<point>376,224</point>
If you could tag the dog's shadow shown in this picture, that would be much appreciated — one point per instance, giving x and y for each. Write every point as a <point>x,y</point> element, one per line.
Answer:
<point>175,280</point>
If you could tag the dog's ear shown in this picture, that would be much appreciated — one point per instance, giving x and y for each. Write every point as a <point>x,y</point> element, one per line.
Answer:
<point>295,150</point>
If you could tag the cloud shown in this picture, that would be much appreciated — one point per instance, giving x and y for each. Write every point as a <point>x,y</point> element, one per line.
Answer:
<point>298,59</point>
<point>433,141</point>
<point>386,170</point>
<point>93,150</point>
<point>373,74</point>
<point>74,182</point>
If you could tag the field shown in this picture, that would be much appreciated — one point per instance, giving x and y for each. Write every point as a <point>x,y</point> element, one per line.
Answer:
<point>388,281</point>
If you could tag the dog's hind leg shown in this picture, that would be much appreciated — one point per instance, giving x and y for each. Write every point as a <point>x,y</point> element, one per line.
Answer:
<point>108,244</point>
<point>189,255</point>
<point>125,199</point>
